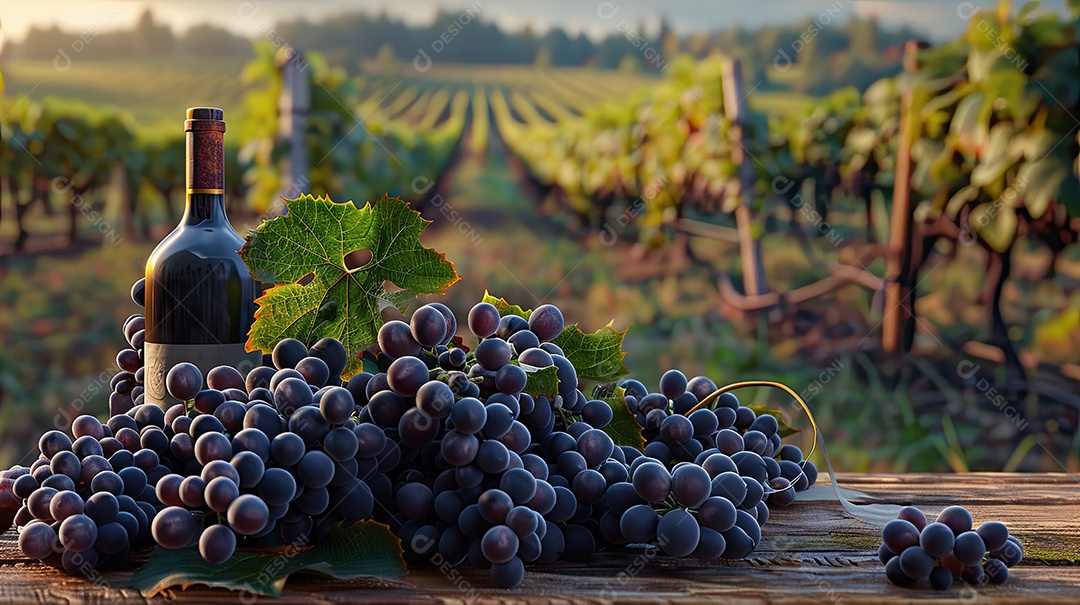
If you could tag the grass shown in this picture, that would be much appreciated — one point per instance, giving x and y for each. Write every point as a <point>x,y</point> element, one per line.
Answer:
<point>151,92</point>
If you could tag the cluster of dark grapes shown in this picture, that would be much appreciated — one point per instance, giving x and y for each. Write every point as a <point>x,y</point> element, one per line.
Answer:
<point>128,384</point>
<point>913,550</point>
<point>443,444</point>
<point>708,475</point>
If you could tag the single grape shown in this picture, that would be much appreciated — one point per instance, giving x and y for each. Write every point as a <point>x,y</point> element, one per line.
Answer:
<point>337,405</point>
<point>899,535</point>
<point>396,340</point>
<point>969,548</point>
<point>896,574</point>
<point>428,326</point>
<point>957,518</point>
<point>174,528</point>
<point>509,574</point>
<point>287,353</point>
<point>493,353</point>
<point>639,523</point>
<point>217,544</point>
<point>994,534</point>
<point>314,370</point>
<point>913,515</point>
<point>406,375</point>
<point>678,533</point>
<point>483,319</point>
<point>248,514</point>
<point>38,541</point>
<point>546,321</point>
<point>499,544</point>
<point>333,353</point>
<point>184,381</point>
<point>435,399</point>
<point>691,485</point>
<point>937,540</point>
<point>916,563</point>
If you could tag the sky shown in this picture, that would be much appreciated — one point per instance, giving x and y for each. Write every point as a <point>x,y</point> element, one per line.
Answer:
<point>937,19</point>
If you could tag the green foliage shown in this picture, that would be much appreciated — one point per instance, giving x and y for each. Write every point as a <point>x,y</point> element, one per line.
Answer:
<point>623,428</point>
<point>597,356</point>
<point>366,549</point>
<point>316,237</point>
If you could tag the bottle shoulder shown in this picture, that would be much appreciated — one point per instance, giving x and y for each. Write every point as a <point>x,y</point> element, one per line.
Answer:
<point>199,241</point>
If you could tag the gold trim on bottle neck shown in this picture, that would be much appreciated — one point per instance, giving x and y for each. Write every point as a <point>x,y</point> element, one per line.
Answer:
<point>204,190</point>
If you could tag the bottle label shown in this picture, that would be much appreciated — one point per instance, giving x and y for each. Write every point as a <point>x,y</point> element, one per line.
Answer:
<point>160,358</point>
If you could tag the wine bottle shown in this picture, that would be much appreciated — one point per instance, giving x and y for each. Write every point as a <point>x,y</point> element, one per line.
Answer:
<point>200,296</point>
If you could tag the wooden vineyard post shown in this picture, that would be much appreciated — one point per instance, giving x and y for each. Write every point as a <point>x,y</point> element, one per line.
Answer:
<point>899,306</point>
<point>749,246</point>
<point>293,108</point>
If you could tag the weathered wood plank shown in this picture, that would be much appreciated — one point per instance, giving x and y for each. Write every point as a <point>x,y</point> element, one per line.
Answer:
<point>810,553</point>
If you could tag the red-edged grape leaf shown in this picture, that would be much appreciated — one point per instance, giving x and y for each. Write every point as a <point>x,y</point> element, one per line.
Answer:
<point>318,238</point>
<point>366,549</point>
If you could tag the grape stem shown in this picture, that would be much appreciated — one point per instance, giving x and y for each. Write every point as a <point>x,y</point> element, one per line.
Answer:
<point>708,402</point>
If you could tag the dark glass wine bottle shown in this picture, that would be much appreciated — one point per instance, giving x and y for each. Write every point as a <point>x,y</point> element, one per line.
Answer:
<point>200,296</point>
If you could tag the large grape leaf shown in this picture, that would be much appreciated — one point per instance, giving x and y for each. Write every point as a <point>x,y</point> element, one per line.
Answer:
<point>597,356</point>
<point>366,549</point>
<point>342,299</point>
<point>623,428</point>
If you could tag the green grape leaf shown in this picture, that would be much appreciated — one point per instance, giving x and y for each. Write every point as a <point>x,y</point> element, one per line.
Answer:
<point>364,550</point>
<point>318,238</point>
<point>623,428</point>
<point>784,430</point>
<point>540,381</point>
<point>504,307</point>
<point>597,356</point>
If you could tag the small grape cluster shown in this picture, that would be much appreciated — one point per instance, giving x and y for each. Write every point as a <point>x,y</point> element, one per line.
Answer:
<point>727,465</point>
<point>914,550</point>
<point>128,383</point>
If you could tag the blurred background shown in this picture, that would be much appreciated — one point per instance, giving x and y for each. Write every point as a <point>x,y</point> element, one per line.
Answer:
<point>874,202</point>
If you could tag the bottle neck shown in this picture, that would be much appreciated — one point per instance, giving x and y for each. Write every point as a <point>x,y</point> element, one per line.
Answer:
<point>205,172</point>
<point>205,207</point>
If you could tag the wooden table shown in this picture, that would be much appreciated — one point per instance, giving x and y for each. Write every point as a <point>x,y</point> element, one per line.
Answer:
<point>810,552</point>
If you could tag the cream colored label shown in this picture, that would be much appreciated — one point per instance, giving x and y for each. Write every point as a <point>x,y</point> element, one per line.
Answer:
<point>160,358</point>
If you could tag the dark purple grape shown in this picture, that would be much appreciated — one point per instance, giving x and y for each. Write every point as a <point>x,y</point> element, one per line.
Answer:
<point>546,321</point>
<point>248,514</point>
<point>314,370</point>
<point>336,405</point>
<point>499,544</point>
<point>508,574</point>
<point>333,353</point>
<point>912,515</point>
<point>435,399</point>
<point>292,394</point>
<point>652,481</point>
<point>225,377</point>
<point>38,541</point>
<point>396,340</point>
<point>678,533</point>
<point>510,379</point>
<point>288,352</point>
<point>217,544</point>
<point>957,518</point>
<point>899,535</point>
<point>428,326</point>
<point>493,353</point>
<point>937,540</point>
<point>690,485</point>
<point>896,574</point>
<point>483,320</point>
<point>184,381</point>
<point>406,375</point>
<point>259,378</point>
<point>968,548</point>
<point>174,528</point>
<point>916,563</point>
<point>994,534</point>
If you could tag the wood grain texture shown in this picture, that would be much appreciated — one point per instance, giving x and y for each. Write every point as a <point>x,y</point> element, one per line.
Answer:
<point>810,552</point>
